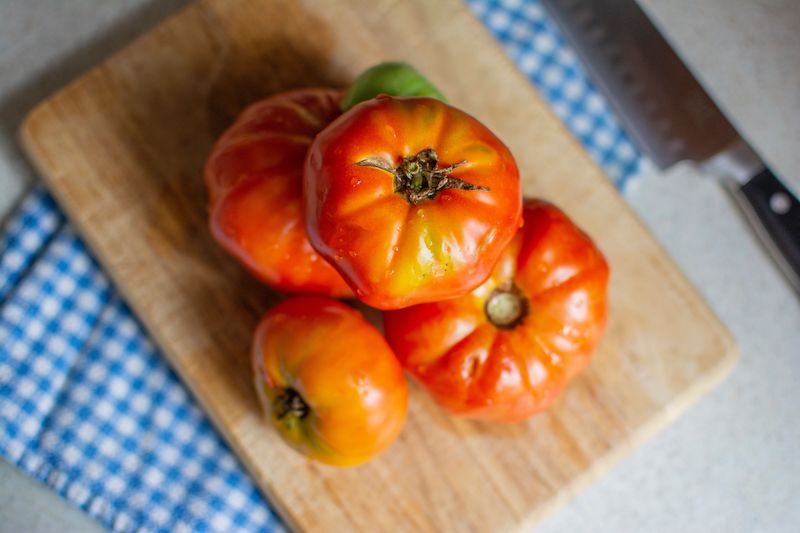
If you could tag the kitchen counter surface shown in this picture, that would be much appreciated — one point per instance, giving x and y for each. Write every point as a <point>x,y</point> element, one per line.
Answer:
<point>731,463</point>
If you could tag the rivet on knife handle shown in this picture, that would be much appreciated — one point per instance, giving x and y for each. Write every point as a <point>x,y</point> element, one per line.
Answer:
<point>773,208</point>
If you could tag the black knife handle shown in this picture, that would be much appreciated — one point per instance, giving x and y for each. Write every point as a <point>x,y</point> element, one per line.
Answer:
<point>778,212</point>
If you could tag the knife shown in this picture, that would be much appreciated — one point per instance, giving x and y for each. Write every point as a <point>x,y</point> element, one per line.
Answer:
<point>671,118</point>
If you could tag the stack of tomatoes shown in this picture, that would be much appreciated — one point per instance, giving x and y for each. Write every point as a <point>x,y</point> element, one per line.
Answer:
<point>392,196</point>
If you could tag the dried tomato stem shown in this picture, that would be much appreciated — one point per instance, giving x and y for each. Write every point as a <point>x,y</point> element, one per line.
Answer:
<point>506,307</point>
<point>417,177</point>
<point>289,402</point>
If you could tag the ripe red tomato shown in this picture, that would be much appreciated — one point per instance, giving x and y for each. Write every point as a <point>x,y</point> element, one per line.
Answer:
<point>254,180</point>
<point>328,380</point>
<point>505,351</point>
<point>412,200</point>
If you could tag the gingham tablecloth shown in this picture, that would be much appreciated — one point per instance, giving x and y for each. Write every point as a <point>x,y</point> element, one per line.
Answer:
<point>89,407</point>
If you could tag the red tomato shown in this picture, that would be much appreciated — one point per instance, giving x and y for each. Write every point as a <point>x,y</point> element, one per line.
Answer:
<point>254,180</point>
<point>505,351</point>
<point>328,380</point>
<point>412,200</point>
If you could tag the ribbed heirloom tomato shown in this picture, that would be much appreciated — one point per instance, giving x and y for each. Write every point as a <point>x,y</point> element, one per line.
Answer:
<point>254,180</point>
<point>505,351</point>
<point>411,199</point>
<point>329,381</point>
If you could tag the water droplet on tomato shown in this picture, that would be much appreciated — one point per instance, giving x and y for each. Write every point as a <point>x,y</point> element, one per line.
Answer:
<point>355,182</point>
<point>395,248</point>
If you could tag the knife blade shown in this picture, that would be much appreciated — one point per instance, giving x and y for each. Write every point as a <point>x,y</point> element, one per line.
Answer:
<point>671,117</point>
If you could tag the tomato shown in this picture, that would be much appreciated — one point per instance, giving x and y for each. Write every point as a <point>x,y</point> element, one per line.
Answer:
<point>505,351</point>
<point>254,180</point>
<point>411,199</point>
<point>328,380</point>
<point>391,78</point>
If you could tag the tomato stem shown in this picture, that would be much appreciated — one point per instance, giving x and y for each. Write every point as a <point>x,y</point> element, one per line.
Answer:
<point>289,402</point>
<point>506,307</point>
<point>418,178</point>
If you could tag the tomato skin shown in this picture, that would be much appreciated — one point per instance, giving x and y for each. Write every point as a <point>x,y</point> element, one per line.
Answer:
<point>254,179</point>
<point>394,253</point>
<point>476,369</point>
<point>343,370</point>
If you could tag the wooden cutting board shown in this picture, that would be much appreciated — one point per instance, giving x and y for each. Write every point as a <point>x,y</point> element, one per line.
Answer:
<point>122,149</point>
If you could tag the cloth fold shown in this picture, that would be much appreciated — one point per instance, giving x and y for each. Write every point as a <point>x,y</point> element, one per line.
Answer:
<point>91,409</point>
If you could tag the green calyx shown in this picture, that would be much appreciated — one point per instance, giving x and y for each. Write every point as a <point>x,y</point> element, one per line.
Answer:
<point>391,78</point>
<point>419,177</point>
<point>289,404</point>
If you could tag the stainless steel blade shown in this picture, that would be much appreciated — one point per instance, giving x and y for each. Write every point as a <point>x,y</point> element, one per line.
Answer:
<point>661,104</point>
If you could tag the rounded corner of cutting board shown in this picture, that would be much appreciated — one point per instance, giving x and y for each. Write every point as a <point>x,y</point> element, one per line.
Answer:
<point>29,129</point>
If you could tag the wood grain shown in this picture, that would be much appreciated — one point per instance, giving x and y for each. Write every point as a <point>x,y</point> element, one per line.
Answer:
<point>122,149</point>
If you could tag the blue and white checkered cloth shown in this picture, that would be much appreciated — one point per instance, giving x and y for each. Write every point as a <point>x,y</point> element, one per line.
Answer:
<point>88,405</point>
<point>90,408</point>
<point>533,41</point>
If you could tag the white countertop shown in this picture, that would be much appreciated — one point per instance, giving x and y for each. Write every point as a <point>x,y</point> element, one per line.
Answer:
<point>732,463</point>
